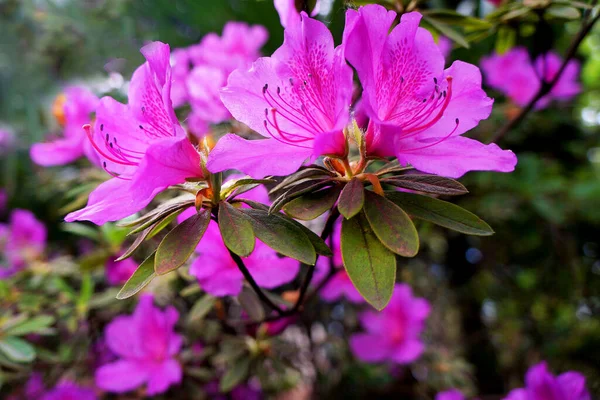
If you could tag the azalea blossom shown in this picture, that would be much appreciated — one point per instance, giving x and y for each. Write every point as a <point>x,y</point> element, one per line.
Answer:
<point>418,111</point>
<point>22,240</point>
<point>540,384</point>
<point>453,394</point>
<point>67,390</point>
<point>146,345</point>
<point>288,14</point>
<point>118,272</point>
<point>445,46</point>
<point>298,99</point>
<point>72,109</point>
<point>516,76</point>
<point>140,144</point>
<point>392,334</point>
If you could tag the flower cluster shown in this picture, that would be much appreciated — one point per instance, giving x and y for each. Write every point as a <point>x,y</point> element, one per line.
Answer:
<point>22,241</point>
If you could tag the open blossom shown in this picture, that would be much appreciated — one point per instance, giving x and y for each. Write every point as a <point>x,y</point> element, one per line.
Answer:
<point>453,394</point>
<point>392,334</point>
<point>140,144</point>
<point>22,240</point>
<point>298,99</point>
<point>540,384</point>
<point>72,109</point>
<point>516,76</point>
<point>146,345</point>
<point>417,109</point>
<point>118,272</point>
<point>69,391</point>
<point>288,14</point>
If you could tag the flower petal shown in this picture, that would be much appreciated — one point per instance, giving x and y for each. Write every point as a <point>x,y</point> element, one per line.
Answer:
<point>164,375</point>
<point>121,376</point>
<point>369,348</point>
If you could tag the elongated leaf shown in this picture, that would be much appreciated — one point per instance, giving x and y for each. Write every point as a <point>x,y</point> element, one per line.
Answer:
<point>140,278</point>
<point>282,235</point>
<point>370,265</point>
<point>446,30</point>
<point>352,198</point>
<point>185,200</point>
<point>297,191</point>
<point>138,241</point>
<point>32,325</point>
<point>202,307</point>
<point>391,225</point>
<point>453,18</point>
<point>441,213</point>
<point>235,374</point>
<point>160,216</point>
<point>179,244</point>
<point>236,230</point>
<point>312,205</point>
<point>16,349</point>
<point>318,243</point>
<point>163,223</point>
<point>251,304</point>
<point>427,183</point>
<point>310,172</point>
<point>230,186</point>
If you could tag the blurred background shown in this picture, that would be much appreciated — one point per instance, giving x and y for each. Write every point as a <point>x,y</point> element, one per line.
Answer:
<point>500,304</point>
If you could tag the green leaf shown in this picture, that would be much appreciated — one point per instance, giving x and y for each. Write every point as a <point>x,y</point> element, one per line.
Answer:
<point>453,18</point>
<point>441,213</point>
<point>391,225</point>
<point>427,183</point>
<point>564,12</point>
<point>229,187</point>
<point>236,230</point>
<point>282,235</point>
<point>33,325</point>
<point>79,229</point>
<point>312,205</point>
<point>140,278</point>
<point>179,244</point>
<point>251,304</point>
<point>312,172</point>
<point>370,265</point>
<point>235,375</point>
<point>505,39</point>
<point>163,223</point>
<point>447,31</point>
<point>202,307</point>
<point>318,243</point>
<point>17,349</point>
<point>297,191</point>
<point>352,198</point>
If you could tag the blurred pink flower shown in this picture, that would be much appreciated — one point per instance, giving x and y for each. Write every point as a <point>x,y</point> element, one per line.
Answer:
<point>7,140</point>
<point>452,394</point>
<point>118,272</point>
<point>72,109</point>
<point>298,98</point>
<point>69,391</point>
<point>445,46</point>
<point>514,75</point>
<point>147,346</point>
<point>417,109</point>
<point>180,69</point>
<point>34,388</point>
<point>289,14</point>
<point>392,334</point>
<point>540,384</point>
<point>140,144</point>
<point>21,241</point>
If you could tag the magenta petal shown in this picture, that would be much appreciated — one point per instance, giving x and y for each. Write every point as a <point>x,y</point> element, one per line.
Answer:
<point>122,337</point>
<point>573,385</point>
<point>455,156</point>
<point>452,394</point>
<point>408,352</point>
<point>216,279</point>
<point>268,269</point>
<point>162,376</point>
<point>368,348</point>
<point>121,376</point>
<point>517,394</point>
<point>257,158</point>
<point>330,143</point>
<point>58,152</point>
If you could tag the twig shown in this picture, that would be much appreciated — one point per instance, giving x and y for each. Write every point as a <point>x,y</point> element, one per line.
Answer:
<point>546,87</point>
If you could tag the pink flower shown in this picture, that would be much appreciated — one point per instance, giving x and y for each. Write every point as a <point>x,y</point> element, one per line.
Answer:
<point>392,334</point>
<point>542,385</point>
<point>452,394</point>
<point>445,46</point>
<point>180,69</point>
<point>298,99</point>
<point>72,109</point>
<point>118,272</point>
<point>140,144</point>
<point>69,391</point>
<point>418,110</point>
<point>146,345</point>
<point>514,75</point>
<point>288,13</point>
<point>34,388</point>
<point>21,241</point>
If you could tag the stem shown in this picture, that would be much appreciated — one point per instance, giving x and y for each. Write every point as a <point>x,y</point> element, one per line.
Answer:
<point>347,167</point>
<point>546,87</point>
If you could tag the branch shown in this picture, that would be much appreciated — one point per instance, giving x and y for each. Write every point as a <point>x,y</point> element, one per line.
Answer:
<point>546,87</point>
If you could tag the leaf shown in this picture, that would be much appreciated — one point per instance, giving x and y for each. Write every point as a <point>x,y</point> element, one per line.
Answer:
<point>251,304</point>
<point>282,235</point>
<point>229,187</point>
<point>17,349</point>
<point>236,230</point>
<point>312,205</point>
<point>235,375</point>
<point>32,325</point>
<point>505,39</point>
<point>318,243</point>
<point>180,243</point>
<point>138,242</point>
<point>202,307</point>
<point>564,12</point>
<point>352,198</point>
<point>186,200</point>
<point>158,226</point>
<point>160,216</point>
<point>370,265</point>
<point>391,225</point>
<point>453,18</point>
<point>447,31</point>
<point>441,213</point>
<point>427,183</point>
<point>140,278</point>
<point>297,191</point>
<point>310,172</point>
<point>79,229</point>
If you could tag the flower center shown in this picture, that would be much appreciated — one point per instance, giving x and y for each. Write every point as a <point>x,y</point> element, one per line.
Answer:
<point>58,109</point>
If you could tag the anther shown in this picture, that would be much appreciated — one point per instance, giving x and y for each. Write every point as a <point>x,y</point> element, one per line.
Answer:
<point>435,80</point>
<point>107,137</point>
<point>265,88</point>
<point>278,90</point>
<point>141,127</point>
<point>101,127</point>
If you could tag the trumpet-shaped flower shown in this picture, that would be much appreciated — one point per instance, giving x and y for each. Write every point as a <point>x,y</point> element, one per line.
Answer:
<point>140,144</point>
<point>298,99</point>
<point>21,241</point>
<point>392,334</point>
<point>417,109</point>
<point>146,345</point>
<point>72,109</point>
<point>540,384</point>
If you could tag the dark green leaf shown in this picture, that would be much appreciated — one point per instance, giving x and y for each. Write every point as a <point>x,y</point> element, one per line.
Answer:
<point>251,304</point>
<point>163,223</point>
<point>427,183</point>
<point>230,186</point>
<point>370,265</point>
<point>17,349</point>
<point>236,230</point>
<point>138,241</point>
<point>453,18</point>
<point>441,213</point>
<point>447,31</point>
<point>282,235</point>
<point>140,278</point>
<point>391,225</point>
<point>235,374</point>
<point>202,307</point>
<point>318,243</point>
<point>312,205</point>
<point>32,325</point>
<point>352,198</point>
<point>297,191</point>
<point>310,172</point>
<point>180,243</point>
